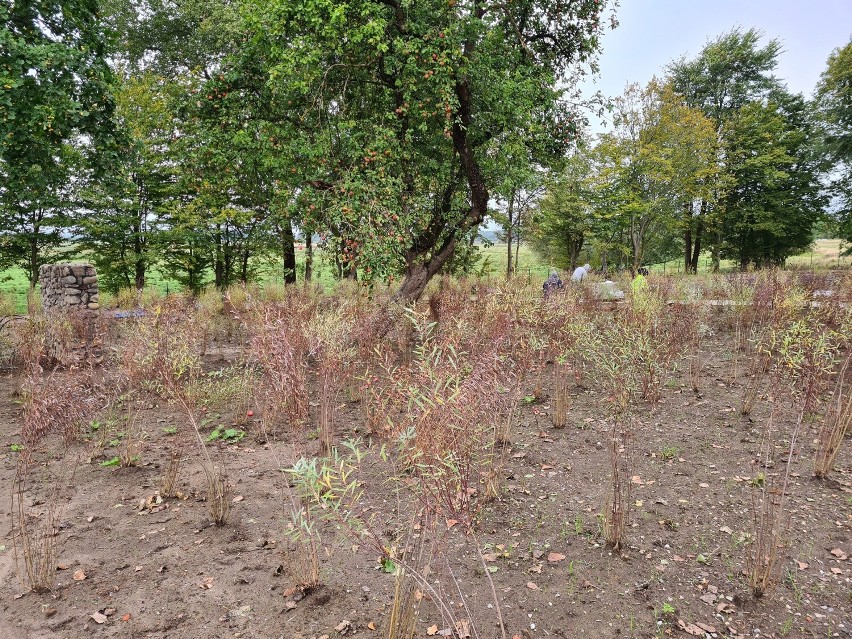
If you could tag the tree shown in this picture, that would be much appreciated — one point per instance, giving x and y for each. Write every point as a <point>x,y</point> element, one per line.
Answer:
<point>775,195</point>
<point>729,73</point>
<point>660,158</point>
<point>55,121</point>
<point>834,106</point>
<point>120,220</point>
<point>398,112</point>
<point>564,219</point>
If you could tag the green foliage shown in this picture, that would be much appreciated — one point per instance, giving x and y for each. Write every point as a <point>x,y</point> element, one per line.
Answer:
<point>392,120</point>
<point>775,195</point>
<point>834,106</point>
<point>228,435</point>
<point>55,121</point>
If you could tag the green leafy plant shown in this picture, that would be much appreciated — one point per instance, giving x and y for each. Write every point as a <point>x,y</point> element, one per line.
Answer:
<point>228,435</point>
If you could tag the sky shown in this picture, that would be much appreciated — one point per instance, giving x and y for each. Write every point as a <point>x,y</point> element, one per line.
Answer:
<point>652,33</point>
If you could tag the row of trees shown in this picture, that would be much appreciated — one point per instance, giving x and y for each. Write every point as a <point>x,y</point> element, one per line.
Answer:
<point>205,137</point>
<point>716,156</point>
<point>223,129</point>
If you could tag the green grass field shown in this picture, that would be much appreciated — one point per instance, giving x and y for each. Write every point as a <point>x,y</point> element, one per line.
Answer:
<point>825,254</point>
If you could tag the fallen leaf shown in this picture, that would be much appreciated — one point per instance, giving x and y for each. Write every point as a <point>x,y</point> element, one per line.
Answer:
<point>237,499</point>
<point>432,630</point>
<point>63,566</point>
<point>636,479</point>
<point>690,628</point>
<point>836,571</point>
<point>125,617</point>
<point>532,585</point>
<point>206,583</point>
<point>555,556</point>
<point>79,575</point>
<point>725,529</point>
<point>99,618</point>
<point>803,565</point>
<point>342,626</point>
<point>489,556</point>
<point>451,523</point>
<point>371,626</point>
<point>708,598</point>
<point>839,554</point>
<point>463,628</point>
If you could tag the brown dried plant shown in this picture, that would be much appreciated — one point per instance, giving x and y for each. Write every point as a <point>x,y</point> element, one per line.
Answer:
<point>55,404</point>
<point>165,347</point>
<point>802,353</point>
<point>836,422</point>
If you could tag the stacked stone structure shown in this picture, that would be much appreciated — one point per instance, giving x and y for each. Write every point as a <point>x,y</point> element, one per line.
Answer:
<point>69,295</point>
<point>68,286</point>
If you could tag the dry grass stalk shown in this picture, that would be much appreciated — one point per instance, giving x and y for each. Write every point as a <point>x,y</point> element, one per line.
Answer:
<point>617,510</point>
<point>34,532</point>
<point>563,376</point>
<point>836,422</point>
<point>168,482</point>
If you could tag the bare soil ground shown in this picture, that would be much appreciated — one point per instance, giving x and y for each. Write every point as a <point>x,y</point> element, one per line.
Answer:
<point>161,570</point>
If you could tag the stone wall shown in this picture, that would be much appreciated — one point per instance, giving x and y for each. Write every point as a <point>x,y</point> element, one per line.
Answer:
<point>68,286</point>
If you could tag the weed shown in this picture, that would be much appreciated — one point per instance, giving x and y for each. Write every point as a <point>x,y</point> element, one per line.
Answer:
<point>669,452</point>
<point>227,435</point>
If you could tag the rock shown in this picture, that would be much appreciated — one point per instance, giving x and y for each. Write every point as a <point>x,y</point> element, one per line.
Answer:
<point>93,306</point>
<point>69,279</point>
<point>91,279</point>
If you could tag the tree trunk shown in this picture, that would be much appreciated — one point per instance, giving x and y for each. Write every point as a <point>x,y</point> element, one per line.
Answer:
<point>34,258</point>
<point>218,266</point>
<point>138,258</point>
<point>715,252</point>
<point>244,266</point>
<point>687,247</point>
<point>420,269</point>
<point>510,209</point>
<point>288,252</point>
<point>417,276</point>
<point>309,256</point>
<point>696,251</point>
<point>517,249</point>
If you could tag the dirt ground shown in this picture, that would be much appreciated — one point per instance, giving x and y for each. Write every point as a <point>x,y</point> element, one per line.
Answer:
<point>132,567</point>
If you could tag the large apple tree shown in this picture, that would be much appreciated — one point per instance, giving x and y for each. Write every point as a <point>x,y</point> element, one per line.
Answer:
<point>393,115</point>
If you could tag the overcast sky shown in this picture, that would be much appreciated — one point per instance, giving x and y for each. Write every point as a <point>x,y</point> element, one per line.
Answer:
<point>652,33</point>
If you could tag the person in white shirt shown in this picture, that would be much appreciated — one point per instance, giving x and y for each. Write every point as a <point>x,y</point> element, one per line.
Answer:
<point>580,272</point>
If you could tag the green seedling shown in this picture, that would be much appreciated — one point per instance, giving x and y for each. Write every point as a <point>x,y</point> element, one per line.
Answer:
<point>388,565</point>
<point>115,461</point>
<point>759,481</point>
<point>170,430</point>
<point>669,452</point>
<point>16,448</point>
<point>229,435</point>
